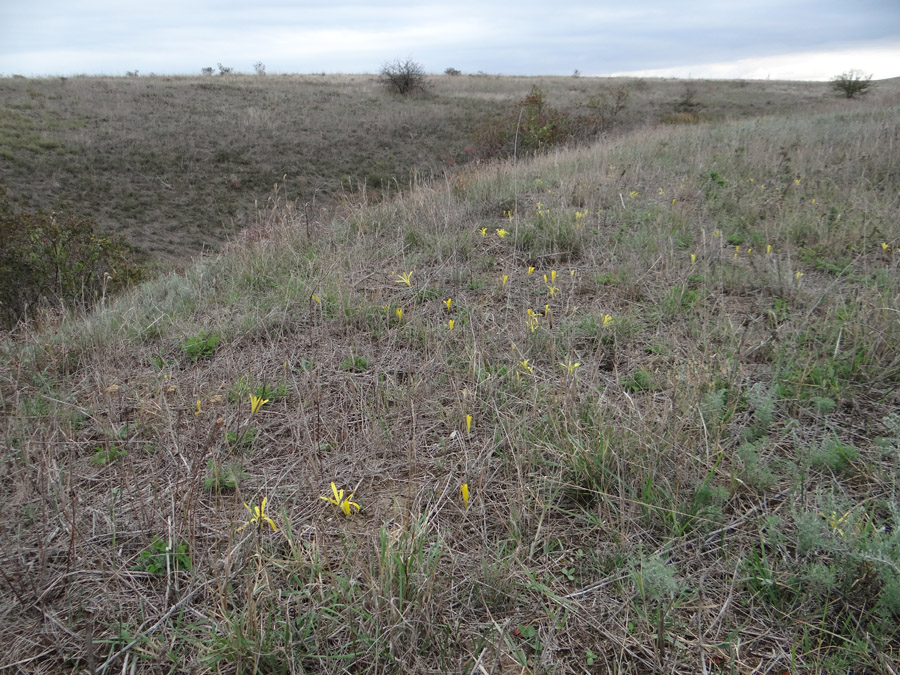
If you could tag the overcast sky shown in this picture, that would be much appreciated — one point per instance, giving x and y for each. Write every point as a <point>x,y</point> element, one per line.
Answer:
<point>781,39</point>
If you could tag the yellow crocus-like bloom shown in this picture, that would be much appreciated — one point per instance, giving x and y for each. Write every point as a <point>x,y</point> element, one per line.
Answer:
<point>340,501</point>
<point>464,489</point>
<point>447,303</point>
<point>450,324</point>
<point>256,402</point>
<point>258,516</point>
<point>404,278</point>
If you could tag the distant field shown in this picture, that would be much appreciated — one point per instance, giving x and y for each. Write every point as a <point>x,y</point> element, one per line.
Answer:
<point>176,164</point>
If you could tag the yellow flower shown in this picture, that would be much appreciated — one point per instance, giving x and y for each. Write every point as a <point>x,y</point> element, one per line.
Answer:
<point>504,280</point>
<point>464,488</point>
<point>552,290</point>
<point>447,303</point>
<point>530,271</point>
<point>483,231</point>
<point>256,402</point>
<point>884,246</point>
<point>342,503</point>
<point>315,298</point>
<point>532,320</point>
<point>450,324</point>
<point>693,259</point>
<point>569,366</point>
<point>501,232</point>
<point>525,367</point>
<point>468,423</point>
<point>836,522</point>
<point>607,319</point>
<point>633,194</point>
<point>399,312</point>
<point>552,276</point>
<point>768,249</point>
<point>198,411</point>
<point>404,278</point>
<point>258,516</point>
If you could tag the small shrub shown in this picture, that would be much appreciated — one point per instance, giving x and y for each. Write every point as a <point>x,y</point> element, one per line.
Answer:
<point>852,84</point>
<point>104,456</point>
<point>403,77</point>
<point>225,70</point>
<point>834,455</point>
<point>640,380</point>
<point>208,70</point>
<point>753,470</point>
<point>158,557</point>
<point>355,364</point>
<point>201,346</point>
<point>245,387</point>
<point>50,257</point>
<point>223,478</point>
<point>453,72</point>
<point>241,442</point>
<point>259,68</point>
<point>687,102</point>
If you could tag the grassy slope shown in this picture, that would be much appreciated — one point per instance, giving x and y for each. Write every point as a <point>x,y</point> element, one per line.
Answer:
<point>176,163</point>
<point>712,487</point>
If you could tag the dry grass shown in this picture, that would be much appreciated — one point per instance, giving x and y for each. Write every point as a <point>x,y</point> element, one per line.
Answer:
<point>176,164</point>
<point>712,489</point>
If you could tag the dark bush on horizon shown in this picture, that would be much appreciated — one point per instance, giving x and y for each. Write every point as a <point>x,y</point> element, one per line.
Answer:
<point>852,84</point>
<point>403,77</point>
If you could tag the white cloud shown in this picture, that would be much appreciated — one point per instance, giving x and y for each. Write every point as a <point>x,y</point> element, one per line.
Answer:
<point>881,62</point>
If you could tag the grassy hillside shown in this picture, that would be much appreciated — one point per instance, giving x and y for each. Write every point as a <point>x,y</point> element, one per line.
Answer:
<point>669,388</point>
<point>177,164</point>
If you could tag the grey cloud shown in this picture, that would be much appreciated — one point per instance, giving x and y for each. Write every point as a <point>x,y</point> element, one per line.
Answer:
<point>524,37</point>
